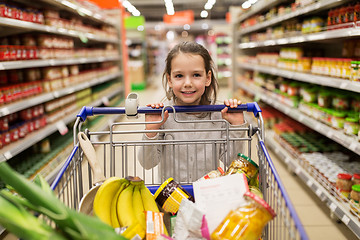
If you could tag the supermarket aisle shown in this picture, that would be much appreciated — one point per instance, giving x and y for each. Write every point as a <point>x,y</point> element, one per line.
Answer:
<point>313,213</point>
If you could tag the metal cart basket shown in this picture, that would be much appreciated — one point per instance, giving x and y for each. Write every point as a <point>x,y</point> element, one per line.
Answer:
<point>121,149</point>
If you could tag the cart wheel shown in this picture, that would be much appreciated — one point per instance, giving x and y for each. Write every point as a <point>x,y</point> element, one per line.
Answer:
<point>334,217</point>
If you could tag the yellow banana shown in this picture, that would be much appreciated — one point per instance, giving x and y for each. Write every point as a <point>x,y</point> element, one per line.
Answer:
<point>104,197</point>
<point>113,212</point>
<point>134,229</point>
<point>148,199</point>
<point>139,207</point>
<point>125,209</point>
<point>149,202</point>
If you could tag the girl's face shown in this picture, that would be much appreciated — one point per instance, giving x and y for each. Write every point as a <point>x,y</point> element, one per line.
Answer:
<point>188,78</point>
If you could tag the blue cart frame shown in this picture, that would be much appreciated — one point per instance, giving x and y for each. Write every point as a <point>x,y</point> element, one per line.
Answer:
<point>71,183</point>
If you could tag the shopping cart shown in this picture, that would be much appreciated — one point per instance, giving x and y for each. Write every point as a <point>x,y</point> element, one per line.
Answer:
<point>120,147</point>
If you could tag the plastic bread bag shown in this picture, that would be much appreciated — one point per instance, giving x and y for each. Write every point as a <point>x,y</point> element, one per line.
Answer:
<point>190,222</point>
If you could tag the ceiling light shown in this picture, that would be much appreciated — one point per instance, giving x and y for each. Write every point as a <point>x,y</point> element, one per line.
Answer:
<point>204,26</point>
<point>130,8</point>
<point>204,14</point>
<point>170,35</point>
<point>208,6</point>
<point>246,5</point>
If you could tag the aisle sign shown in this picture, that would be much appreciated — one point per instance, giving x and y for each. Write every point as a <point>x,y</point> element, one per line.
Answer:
<point>179,18</point>
<point>132,22</point>
<point>108,4</point>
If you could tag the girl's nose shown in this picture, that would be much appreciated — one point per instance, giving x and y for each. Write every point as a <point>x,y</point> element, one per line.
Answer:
<point>187,81</point>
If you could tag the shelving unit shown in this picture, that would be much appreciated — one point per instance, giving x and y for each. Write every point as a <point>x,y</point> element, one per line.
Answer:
<point>313,180</point>
<point>329,38</point>
<point>81,39</point>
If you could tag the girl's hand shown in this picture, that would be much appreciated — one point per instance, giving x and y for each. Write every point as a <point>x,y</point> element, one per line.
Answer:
<point>154,117</point>
<point>234,118</point>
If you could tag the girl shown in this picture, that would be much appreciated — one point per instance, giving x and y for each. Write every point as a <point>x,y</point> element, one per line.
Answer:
<point>189,79</point>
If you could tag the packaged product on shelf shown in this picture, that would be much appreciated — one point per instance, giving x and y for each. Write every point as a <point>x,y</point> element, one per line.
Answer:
<point>351,125</point>
<point>324,98</point>
<point>338,119</point>
<point>309,93</point>
<point>340,101</point>
<point>355,199</point>
<point>356,178</point>
<point>344,184</point>
<point>246,222</point>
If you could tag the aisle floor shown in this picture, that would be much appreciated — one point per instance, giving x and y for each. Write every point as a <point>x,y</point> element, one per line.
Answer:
<point>314,214</point>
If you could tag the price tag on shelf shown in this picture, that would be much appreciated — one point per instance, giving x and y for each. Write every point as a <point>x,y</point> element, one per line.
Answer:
<point>301,118</point>
<point>105,101</point>
<point>343,85</point>
<point>62,128</point>
<point>4,111</point>
<point>309,183</point>
<point>333,207</point>
<point>345,219</point>
<point>2,66</point>
<point>318,192</point>
<point>353,146</point>
<point>83,38</point>
<point>8,155</point>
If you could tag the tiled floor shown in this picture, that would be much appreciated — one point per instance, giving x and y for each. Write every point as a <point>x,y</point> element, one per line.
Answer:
<point>314,214</point>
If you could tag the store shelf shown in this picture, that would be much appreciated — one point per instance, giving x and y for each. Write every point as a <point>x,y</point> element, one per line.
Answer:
<point>29,26</point>
<point>301,38</point>
<point>312,8</point>
<point>17,147</point>
<point>258,7</point>
<point>26,103</point>
<point>305,77</point>
<point>78,10</point>
<point>340,209</point>
<point>8,65</point>
<point>350,142</point>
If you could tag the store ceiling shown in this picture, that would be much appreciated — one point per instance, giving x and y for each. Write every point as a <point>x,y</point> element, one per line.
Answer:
<point>153,10</point>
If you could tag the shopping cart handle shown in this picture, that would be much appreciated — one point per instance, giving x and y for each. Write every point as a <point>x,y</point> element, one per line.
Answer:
<point>90,111</point>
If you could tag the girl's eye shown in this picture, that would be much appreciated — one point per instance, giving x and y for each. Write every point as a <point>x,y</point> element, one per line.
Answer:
<point>178,76</point>
<point>197,75</point>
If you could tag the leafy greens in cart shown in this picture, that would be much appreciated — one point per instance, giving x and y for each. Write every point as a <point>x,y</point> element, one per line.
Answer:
<point>15,212</point>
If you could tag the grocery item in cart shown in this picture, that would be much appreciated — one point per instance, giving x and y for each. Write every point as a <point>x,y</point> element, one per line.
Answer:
<point>244,165</point>
<point>246,222</point>
<point>170,194</point>
<point>213,174</point>
<point>190,222</point>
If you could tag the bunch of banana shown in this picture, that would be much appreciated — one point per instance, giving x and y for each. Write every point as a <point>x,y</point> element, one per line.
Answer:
<point>122,202</point>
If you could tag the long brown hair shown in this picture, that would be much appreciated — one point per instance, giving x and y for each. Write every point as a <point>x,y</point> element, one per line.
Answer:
<point>210,94</point>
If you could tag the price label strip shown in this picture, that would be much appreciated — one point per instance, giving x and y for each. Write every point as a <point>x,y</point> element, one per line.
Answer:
<point>62,128</point>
